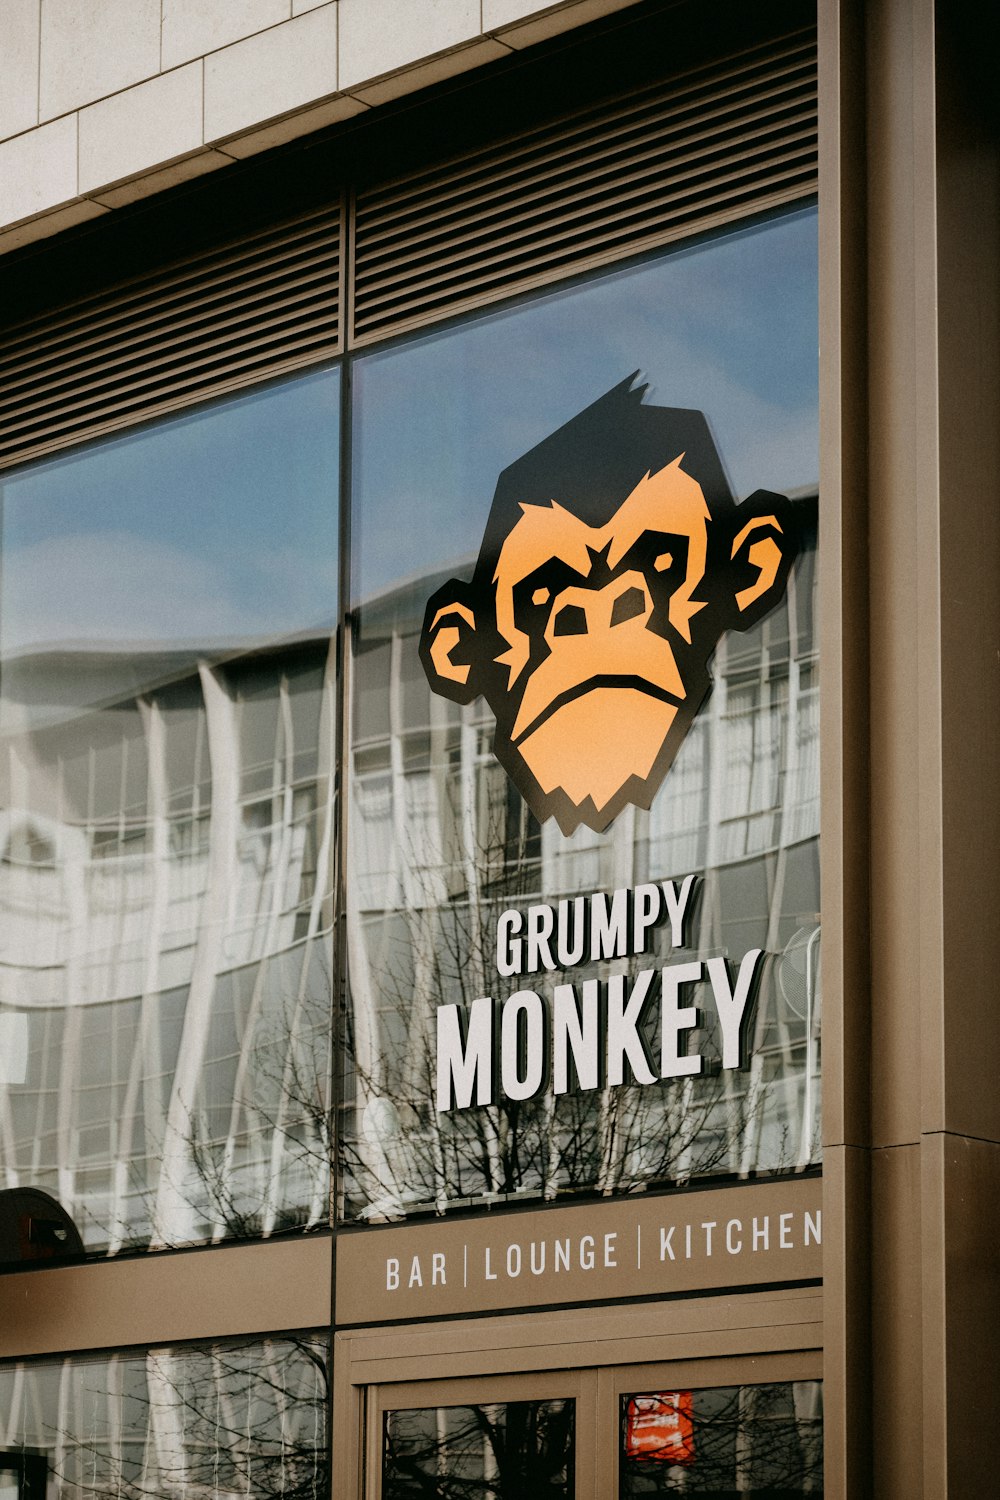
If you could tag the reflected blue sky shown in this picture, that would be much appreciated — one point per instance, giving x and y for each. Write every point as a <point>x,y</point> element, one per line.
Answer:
<point>221,524</point>
<point>728,326</point>
<point>218,525</point>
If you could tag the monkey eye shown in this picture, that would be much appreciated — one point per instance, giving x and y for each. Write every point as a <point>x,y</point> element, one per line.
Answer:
<point>663,553</point>
<point>541,596</point>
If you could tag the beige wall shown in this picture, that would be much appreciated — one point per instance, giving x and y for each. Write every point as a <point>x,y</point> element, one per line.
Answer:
<point>105,101</point>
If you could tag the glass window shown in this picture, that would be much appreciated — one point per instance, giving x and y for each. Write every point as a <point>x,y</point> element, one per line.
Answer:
<point>229,1419</point>
<point>168,602</point>
<point>686,780</point>
<point>500,1451</point>
<point>764,1441</point>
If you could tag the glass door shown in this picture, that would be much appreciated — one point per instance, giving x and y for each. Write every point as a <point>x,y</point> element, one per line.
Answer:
<point>727,1428</point>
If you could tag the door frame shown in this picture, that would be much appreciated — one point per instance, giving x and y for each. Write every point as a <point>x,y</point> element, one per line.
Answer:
<point>593,1353</point>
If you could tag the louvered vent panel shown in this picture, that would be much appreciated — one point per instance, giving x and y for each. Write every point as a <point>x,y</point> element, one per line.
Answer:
<point>713,145</point>
<point>212,323</point>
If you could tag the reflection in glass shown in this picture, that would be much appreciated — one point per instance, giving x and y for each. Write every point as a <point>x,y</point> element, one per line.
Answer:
<point>440,842</point>
<point>167,609</point>
<point>247,1419</point>
<point>501,1451</point>
<point>763,1441</point>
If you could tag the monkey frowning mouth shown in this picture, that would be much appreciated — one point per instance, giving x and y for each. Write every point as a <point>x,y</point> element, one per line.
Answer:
<point>610,684</point>
<point>591,618</point>
<point>599,740</point>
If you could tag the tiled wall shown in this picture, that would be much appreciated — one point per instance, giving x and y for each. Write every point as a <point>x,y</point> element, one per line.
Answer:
<point>106,101</point>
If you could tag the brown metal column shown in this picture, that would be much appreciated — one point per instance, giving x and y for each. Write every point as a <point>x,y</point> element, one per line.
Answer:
<point>933,375</point>
<point>962,1161</point>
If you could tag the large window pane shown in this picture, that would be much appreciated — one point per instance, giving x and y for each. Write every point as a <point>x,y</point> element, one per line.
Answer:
<point>230,1419</point>
<point>167,612</point>
<point>441,839</point>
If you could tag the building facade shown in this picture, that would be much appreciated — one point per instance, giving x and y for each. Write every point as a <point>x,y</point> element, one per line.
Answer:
<point>498,551</point>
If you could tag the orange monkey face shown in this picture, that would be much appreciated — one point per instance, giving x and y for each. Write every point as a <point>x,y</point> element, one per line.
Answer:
<point>591,618</point>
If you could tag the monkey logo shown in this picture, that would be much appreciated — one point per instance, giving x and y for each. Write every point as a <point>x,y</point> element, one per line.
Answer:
<point>614,558</point>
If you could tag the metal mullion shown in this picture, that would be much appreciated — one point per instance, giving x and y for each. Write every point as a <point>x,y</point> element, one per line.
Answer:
<point>340,775</point>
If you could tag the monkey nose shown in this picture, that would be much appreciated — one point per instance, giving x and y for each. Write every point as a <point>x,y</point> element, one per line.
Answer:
<point>629,604</point>
<point>595,611</point>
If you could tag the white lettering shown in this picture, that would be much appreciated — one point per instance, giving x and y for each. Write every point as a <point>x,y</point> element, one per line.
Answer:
<point>562,1255</point>
<point>732,1004</point>
<point>675,1019</point>
<point>465,1065</point>
<point>666,1243</point>
<point>645,915</point>
<point>415,1277</point>
<point>676,907</point>
<point>392,1274</point>
<point>609,925</point>
<point>609,1248</point>
<point>569,955</point>
<point>708,1235</point>
<point>785,1232</point>
<point>540,924</point>
<point>623,1038</point>
<point>578,1028</point>
<point>513,1261</point>
<point>509,924</point>
<point>761,1234</point>
<point>536,1270</point>
<point>490,1275</point>
<point>587,1254</point>
<point>814,1228</point>
<point>734,1246</point>
<point>438,1277</point>
<point>595,1033</point>
<point>522,1048</point>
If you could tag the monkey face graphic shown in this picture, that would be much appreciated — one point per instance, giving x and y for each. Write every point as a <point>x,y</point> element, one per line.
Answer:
<point>613,560</point>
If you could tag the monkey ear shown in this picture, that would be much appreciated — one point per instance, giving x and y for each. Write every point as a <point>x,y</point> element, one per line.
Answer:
<point>448,644</point>
<point>762,552</point>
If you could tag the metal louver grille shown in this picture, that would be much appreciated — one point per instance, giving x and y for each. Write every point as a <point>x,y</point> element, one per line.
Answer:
<point>211,323</point>
<point>712,145</point>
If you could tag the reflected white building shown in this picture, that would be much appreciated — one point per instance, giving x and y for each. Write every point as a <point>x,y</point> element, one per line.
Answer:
<point>166,826</point>
<point>228,1420</point>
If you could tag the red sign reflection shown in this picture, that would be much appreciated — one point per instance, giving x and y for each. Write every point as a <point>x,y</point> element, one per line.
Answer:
<point>660,1427</point>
